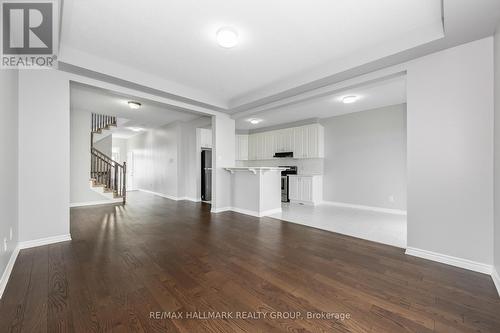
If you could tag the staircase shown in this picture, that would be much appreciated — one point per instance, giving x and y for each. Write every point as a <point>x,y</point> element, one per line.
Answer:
<point>106,176</point>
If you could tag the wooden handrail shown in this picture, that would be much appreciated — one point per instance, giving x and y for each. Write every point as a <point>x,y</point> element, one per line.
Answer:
<point>104,156</point>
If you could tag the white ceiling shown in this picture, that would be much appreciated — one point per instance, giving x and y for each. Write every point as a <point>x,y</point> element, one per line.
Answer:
<point>374,95</point>
<point>287,49</point>
<point>173,42</point>
<point>150,115</point>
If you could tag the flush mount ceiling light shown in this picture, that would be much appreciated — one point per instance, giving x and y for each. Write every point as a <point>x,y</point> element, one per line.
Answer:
<point>134,105</point>
<point>349,99</point>
<point>254,121</point>
<point>227,37</point>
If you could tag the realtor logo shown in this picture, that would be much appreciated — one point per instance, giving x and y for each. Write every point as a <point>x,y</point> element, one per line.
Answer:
<point>28,34</point>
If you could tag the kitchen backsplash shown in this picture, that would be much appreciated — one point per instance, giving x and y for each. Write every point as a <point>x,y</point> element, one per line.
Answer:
<point>309,166</point>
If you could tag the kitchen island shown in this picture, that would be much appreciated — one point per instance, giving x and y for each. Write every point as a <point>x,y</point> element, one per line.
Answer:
<point>256,191</point>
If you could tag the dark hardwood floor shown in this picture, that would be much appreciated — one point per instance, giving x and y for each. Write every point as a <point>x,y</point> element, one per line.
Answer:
<point>158,255</point>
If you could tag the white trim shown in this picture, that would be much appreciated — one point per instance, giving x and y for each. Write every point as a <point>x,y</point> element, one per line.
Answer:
<point>8,270</point>
<point>453,261</point>
<point>95,203</point>
<point>496,279</point>
<point>190,199</point>
<point>375,209</point>
<point>256,214</point>
<point>166,196</point>
<point>270,212</point>
<point>246,211</point>
<point>220,210</point>
<point>44,241</point>
<point>171,197</point>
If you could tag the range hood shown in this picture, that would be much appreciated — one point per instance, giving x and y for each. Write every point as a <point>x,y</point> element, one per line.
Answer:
<point>283,155</point>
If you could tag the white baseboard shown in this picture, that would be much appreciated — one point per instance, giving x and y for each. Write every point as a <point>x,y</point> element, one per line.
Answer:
<point>26,245</point>
<point>496,279</point>
<point>270,212</point>
<point>8,270</point>
<point>247,212</point>
<point>255,213</point>
<point>166,196</point>
<point>220,210</point>
<point>374,209</point>
<point>449,260</point>
<point>190,199</point>
<point>95,203</point>
<point>44,241</point>
<point>171,197</point>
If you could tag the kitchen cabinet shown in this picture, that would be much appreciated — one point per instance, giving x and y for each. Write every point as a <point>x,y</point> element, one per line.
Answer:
<point>269,145</point>
<point>283,140</point>
<point>205,138</point>
<point>305,189</point>
<point>308,141</point>
<point>241,147</point>
<point>304,141</point>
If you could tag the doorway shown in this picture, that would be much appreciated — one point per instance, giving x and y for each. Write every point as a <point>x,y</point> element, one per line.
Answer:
<point>206,174</point>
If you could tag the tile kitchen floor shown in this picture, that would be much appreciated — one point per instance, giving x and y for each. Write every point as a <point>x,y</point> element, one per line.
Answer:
<point>379,227</point>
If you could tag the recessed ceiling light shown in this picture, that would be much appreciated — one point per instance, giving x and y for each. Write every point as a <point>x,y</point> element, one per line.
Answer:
<point>349,99</point>
<point>136,129</point>
<point>134,105</point>
<point>254,121</point>
<point>227,37</point>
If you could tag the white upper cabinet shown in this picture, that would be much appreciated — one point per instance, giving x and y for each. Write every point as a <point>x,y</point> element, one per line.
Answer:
<point>304,141</point>
<point>313,141</point>
<point>308,141</point>
<point>242,147</point>
<point>269,145</point>
<point>206,138</point>
<point>284,140</point>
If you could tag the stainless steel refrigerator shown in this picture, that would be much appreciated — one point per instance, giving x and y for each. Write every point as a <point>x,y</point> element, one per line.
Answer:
<point>206,175</point>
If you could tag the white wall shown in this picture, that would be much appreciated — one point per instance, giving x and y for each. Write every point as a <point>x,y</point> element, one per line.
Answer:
<point>44,154</point>
<point>497,155</point>
<point>80,191</point>
<point>104,144</point>
<point>8,166</point>
<point>223,155</point>
<point>450,152</point>
<point>190,158</point>
<point>121,145</point>
<point>156,160</point>
<point>365,158</point>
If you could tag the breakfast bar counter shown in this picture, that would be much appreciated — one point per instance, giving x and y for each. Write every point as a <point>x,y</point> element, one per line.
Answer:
<point>256,191</point>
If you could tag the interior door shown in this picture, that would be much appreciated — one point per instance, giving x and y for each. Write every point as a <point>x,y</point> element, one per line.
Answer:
<point>206,175</point>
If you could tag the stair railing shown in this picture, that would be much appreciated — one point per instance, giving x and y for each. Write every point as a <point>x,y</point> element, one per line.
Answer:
<point>104,171</point>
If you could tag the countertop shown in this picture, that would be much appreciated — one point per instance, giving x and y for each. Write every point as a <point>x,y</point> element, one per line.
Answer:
<point>254,169</point>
